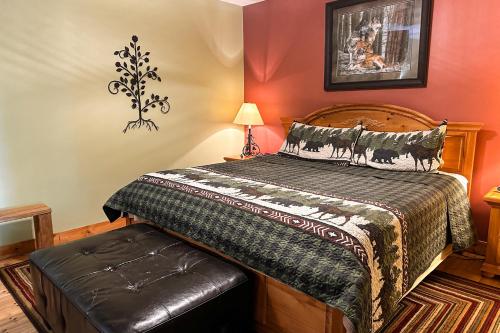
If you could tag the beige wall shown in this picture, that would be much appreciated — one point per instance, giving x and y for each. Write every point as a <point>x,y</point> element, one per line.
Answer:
<point>61,139</point>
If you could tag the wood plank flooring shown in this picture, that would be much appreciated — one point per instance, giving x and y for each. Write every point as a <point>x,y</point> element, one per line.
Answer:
<point>13,320</point>
<point>468,266</point>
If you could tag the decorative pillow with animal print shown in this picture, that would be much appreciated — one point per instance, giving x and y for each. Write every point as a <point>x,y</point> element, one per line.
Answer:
<point>321,143</point>
<point>401,151</point>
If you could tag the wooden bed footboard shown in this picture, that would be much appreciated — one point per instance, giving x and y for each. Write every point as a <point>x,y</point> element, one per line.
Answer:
<point>278,308</point>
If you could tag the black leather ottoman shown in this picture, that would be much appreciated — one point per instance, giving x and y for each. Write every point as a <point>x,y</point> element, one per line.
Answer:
<point>138,279</point>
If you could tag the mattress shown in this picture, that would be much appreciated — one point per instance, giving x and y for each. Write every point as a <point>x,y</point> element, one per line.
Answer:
<point>461,179</point>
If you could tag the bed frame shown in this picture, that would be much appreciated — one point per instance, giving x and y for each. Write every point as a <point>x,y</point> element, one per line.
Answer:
<point>279,308</point>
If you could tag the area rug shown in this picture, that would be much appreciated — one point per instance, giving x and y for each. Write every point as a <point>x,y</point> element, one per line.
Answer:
<point>442,303</point>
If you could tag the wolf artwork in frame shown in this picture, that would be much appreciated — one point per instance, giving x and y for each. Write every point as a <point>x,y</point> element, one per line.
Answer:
<point>375,44</point>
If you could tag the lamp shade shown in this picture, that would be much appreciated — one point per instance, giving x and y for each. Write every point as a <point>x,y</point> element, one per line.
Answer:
<point>248,115</point>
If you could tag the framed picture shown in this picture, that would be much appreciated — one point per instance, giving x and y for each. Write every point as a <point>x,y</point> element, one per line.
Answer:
<point>376,44</point>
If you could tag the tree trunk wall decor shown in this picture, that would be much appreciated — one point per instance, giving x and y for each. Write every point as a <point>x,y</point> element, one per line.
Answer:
<point>132,83</point>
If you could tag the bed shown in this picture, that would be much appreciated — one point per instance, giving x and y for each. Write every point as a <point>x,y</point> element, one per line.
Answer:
<point>299,227</point>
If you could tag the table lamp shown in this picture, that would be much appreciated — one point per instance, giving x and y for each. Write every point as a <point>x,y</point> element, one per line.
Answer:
<point>249,115</point>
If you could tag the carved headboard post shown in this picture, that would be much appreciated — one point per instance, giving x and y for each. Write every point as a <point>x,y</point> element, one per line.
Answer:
<point>460,143</point>
<point>286,122</point>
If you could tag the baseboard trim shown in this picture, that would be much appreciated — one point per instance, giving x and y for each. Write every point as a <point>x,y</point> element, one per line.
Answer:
<point>479,248</point>
<point>27,246</point>
<point>17,249</point>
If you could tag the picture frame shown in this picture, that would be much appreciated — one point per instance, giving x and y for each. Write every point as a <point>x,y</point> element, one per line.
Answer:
<point>377,44</point>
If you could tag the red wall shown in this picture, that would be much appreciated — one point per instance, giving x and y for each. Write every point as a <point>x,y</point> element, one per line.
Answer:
<point>284,50</point>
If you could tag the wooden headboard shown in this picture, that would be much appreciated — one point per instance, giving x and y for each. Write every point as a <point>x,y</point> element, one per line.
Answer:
<point>460,143</point>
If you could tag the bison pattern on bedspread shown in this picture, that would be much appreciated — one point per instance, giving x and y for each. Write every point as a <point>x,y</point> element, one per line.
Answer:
<point>355,238</point>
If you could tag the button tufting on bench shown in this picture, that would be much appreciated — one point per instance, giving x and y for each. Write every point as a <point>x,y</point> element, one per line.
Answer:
<point>157,282</point>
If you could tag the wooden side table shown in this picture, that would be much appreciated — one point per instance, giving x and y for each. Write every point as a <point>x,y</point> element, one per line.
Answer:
<point>491,266</point>
<point>42,221</point>
<point>237,158</point>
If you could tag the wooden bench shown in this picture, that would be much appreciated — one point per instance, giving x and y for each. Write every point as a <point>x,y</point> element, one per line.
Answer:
<point>42,220</point>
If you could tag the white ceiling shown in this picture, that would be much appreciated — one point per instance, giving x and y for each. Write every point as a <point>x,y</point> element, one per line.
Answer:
<point>242,2</point>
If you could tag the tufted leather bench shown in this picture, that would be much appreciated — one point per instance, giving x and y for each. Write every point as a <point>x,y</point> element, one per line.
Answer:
<point>137,279</point>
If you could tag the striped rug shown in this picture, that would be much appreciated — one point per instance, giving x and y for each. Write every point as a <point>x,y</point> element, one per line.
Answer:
<point>441,303</point>
<point>445,303</point>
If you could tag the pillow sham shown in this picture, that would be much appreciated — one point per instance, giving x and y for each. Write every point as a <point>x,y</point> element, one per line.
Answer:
<point>401,151</point>
<point>321,143</point>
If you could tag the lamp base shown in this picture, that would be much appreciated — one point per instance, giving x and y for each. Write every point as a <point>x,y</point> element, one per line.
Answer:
<point>251,148</point>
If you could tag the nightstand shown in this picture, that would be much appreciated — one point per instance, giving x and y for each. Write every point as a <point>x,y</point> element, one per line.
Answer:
<point>491,266</point>
<point>237,158</point>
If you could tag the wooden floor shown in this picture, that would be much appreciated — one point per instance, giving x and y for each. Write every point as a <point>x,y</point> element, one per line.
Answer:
<point>12,319</point>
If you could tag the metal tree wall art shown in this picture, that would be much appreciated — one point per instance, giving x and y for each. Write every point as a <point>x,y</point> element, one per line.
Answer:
<point>132,83</point>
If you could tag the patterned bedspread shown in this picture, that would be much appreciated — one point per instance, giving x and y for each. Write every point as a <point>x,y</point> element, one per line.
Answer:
<point>355,238</point>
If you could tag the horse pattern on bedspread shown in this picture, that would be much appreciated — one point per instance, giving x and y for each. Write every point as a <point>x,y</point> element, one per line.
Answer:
<point>354,251</point>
